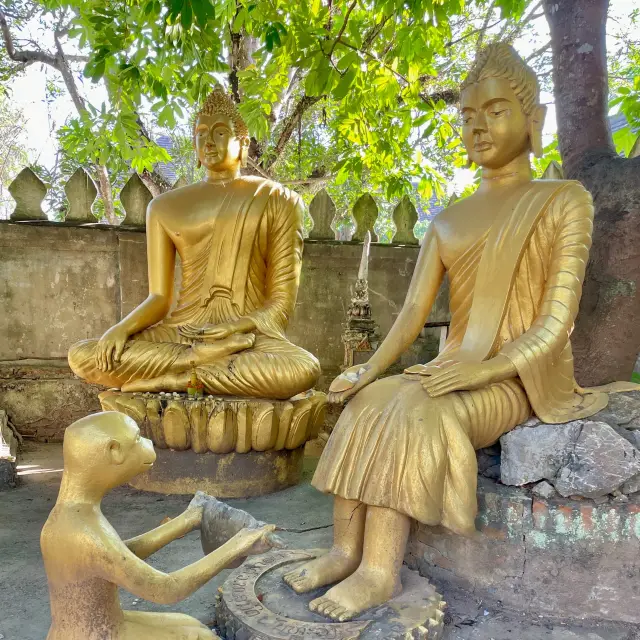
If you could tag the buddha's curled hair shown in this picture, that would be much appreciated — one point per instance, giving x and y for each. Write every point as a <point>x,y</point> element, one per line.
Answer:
<point>500,60</point>
<point>219,101</point>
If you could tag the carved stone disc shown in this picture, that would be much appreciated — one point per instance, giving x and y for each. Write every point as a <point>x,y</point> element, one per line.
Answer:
<point>255,604</point>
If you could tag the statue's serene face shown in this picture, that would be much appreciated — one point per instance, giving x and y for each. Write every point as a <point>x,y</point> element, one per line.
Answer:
<point>217,146</point>
<point>494,126</point>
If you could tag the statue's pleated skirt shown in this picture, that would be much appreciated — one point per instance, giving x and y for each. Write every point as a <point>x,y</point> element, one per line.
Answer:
<point>394,446</point>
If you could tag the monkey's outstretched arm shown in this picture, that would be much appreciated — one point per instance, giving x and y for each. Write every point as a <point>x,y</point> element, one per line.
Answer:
<point>116,563</point>
<point>148,543</point>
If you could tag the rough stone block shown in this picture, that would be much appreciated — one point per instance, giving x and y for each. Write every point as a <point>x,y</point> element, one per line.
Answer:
<point>631,486</point>
<point>623,410</point>
<point>530,454</point>
<point>544,490</point>
<point>601,462</point>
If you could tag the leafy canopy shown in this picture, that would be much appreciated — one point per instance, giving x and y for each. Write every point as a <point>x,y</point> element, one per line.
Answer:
<point>369,81</point>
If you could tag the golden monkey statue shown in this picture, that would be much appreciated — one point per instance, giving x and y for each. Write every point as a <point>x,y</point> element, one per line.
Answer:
<point>86,561</point>
<point>515,253</point>
<point>239,239</point>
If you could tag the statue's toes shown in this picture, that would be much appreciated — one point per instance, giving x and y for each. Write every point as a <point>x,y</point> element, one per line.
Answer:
<point>344,615</point>
<point>315,605</point>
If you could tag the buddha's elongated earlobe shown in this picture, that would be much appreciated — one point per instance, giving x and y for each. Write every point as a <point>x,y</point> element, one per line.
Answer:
<point>536,124</point>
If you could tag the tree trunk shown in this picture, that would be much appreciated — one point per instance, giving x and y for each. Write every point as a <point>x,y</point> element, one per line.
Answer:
<point>104,189</point>
<point>606,339</point>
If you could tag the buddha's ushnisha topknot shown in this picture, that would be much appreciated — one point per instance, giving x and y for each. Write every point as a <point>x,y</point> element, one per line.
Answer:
<point>501,60</point>
<point>219,101</point>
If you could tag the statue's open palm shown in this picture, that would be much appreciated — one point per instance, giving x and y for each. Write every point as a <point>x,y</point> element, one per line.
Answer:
<point>350,381</point>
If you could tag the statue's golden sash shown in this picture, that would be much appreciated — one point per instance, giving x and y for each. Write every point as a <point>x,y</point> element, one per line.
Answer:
<point>506,243</point>
<point>228,269</point>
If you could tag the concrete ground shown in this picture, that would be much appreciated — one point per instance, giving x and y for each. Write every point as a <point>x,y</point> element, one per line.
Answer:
<point>302,512</point>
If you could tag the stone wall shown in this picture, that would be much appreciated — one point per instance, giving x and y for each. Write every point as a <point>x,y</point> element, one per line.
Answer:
<point>60,284</point>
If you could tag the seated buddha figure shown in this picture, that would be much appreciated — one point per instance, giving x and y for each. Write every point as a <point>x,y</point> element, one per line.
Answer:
<point>239,239</point>
<point>404,447</point>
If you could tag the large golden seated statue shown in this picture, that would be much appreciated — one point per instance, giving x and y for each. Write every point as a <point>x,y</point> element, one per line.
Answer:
<point>515,253</point>
<point>239,239</point>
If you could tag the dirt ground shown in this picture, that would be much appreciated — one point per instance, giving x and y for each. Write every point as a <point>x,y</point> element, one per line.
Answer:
<point>301,511</point>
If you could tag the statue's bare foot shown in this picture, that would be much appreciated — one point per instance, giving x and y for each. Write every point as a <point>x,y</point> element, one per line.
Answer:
<point>207,352</point>
<point>360,591</point>
<point>331,567</point>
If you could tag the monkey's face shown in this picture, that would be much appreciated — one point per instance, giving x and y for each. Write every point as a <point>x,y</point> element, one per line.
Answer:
<point>131,454</point>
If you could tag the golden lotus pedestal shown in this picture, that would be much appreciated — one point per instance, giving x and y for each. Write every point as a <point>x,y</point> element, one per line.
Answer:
<point>254,603</point>
<point>225,446</point>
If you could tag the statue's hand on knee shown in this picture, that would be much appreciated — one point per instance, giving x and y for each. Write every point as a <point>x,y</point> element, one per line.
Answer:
<point>466,376</point>
<point>110,347</point>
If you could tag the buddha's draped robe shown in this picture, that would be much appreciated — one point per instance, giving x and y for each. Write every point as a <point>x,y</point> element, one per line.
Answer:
<point>247,265</point>
<point>394,446</point>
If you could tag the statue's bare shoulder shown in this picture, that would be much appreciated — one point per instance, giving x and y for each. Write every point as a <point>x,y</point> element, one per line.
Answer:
<point>453,216</point>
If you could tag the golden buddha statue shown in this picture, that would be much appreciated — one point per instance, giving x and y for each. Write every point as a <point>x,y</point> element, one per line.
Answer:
<point>86,561</point>
<point>239,239</point>
<point>515,253</point>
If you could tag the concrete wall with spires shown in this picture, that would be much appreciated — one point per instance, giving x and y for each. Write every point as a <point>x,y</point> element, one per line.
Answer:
<point>71,280</point>
<point>66,281</point>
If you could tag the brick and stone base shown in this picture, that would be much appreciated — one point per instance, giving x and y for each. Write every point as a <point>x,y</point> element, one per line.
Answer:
<point>554,557</point>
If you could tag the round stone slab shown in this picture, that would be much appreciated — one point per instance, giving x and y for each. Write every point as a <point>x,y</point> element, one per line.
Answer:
<point>254,603</point>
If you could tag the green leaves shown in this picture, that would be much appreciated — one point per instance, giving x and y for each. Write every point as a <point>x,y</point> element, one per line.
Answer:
<point>343,93</point>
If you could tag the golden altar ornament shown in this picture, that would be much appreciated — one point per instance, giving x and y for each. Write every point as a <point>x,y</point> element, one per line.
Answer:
<point>515,253</point>
<point>86,561</point>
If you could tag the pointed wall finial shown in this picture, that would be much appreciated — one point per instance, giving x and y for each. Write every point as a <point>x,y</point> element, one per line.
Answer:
<point>405,217</point>
<point>365,212</point>
<point>553,171</point>
<point>29,192</point>
<point>322,211</point>
<point>180,182</point>
<point>135,198</point>
<point>81,193</point>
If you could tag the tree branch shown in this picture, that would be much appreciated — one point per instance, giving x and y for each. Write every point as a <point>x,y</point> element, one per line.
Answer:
<point>289,126</point>
<point>538,52</point>
<point>63,67</point>
<point>24,57</point>
<point>343,27</point>
<point>485,26</point>
<point>374,32</point>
